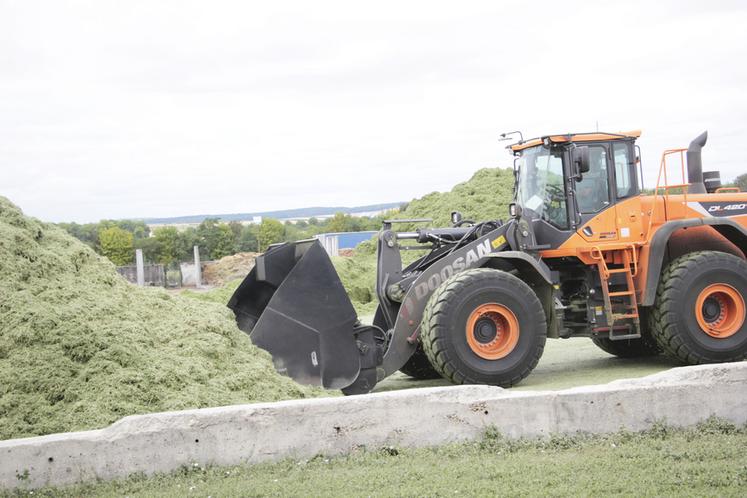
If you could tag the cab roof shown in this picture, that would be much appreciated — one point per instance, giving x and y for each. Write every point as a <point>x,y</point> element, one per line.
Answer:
<point>576,137</point>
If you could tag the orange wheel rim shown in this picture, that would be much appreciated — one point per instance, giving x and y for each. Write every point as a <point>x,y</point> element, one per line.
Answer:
<point>492,331</point>
<point>720,310</point>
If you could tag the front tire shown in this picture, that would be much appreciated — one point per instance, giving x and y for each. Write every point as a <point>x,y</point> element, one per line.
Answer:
<point>417,366</point>
<point>484,326</point>
<point>699,314</point>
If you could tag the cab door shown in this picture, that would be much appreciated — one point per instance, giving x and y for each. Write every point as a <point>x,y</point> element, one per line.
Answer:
<point>594,197</point>
<point>628,203</point>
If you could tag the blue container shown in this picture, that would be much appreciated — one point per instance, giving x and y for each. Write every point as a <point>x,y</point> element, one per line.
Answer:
<point>348,240</point>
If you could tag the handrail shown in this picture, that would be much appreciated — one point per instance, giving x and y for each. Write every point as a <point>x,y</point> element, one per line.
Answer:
<point>663,170</point>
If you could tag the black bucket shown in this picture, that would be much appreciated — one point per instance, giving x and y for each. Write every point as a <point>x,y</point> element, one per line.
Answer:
<point>294,305</point>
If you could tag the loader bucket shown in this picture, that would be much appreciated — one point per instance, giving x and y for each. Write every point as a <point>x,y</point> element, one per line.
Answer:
<point>294,305</point>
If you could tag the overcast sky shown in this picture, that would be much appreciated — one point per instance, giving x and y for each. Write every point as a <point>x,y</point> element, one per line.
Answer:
<point>117,109</point>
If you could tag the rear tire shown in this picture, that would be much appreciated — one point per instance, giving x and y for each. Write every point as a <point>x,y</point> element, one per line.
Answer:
<point>484,326</point>
<point>699,313</point>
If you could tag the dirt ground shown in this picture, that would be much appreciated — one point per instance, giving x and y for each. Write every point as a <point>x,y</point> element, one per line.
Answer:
<point>565,363</point>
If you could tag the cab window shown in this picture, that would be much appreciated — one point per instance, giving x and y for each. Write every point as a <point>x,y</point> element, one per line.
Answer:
<point>623,170</point>
<point>592,191</point>
<point>540,187</point>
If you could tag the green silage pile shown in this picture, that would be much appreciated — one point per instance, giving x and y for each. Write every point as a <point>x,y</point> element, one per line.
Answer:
<point>485,196</point>
<point>358,275</point>
<point>81,348</point>
<point>220,295</point>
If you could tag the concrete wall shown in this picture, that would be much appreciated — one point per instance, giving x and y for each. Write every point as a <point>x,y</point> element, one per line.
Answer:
<point>189,273</point>
<point>154,274</point>
<point>163,442</point>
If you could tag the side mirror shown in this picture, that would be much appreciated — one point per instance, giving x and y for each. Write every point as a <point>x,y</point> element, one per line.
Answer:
<point>581,161</point>
<point>456,217</point>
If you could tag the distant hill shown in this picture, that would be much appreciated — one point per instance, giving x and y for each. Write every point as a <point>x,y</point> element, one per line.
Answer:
<point>282,214</point>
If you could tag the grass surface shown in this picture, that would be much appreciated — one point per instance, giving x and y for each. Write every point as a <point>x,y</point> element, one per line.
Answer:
<point>705,461</point>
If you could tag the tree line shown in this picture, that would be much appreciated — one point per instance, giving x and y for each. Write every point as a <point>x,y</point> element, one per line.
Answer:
<point>118,239</point>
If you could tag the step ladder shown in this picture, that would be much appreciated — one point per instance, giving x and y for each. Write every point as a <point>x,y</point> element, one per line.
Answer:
<point>622,318</point>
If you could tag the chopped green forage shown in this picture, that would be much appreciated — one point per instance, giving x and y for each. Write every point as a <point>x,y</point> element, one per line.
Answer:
<point>80,347</point>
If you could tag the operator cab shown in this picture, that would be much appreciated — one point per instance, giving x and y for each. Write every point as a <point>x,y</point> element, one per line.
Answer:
<point>568,183</point>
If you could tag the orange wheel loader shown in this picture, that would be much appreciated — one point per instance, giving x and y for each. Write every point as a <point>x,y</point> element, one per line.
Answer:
<point>584,253</point>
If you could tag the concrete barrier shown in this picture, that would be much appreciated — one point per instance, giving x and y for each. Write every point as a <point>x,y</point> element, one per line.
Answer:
<point>163,442</point>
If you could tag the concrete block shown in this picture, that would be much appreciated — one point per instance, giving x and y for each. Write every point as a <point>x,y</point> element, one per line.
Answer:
<point>162,442</point>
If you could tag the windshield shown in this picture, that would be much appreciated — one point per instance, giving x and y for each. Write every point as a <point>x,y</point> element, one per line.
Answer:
<point>540,188</point>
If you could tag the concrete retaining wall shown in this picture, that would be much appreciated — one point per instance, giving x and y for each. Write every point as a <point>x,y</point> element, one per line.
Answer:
<point>231,435</point>
<point>154,274</point>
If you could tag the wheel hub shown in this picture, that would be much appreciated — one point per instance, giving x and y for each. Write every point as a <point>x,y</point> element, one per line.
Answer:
<point>720,310</point>
<point>492,331</point>
<point>711,309</point>
<point>485,330</point>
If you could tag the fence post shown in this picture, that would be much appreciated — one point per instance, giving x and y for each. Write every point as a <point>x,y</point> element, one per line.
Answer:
<point>198,270</point>
<point>140,267</point>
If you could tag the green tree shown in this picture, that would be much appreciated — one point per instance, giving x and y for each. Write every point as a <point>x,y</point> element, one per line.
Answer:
<point>151,248</point>
<point>138,229</point>
<point>236,228</point>
<point>89,232</point>
<point>187,240</point>
<point>208,233</point>
<point>248,238</point>
<point>215,239</point>
<point>168,240</point>
<point>116,244</point>
<point>741,182</point>
<point>270,232</point>
<point>342,222</point>
<point>291,233</point>
<point>224,243</point>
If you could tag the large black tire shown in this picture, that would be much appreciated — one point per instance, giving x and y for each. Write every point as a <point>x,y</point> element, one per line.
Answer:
<point>418,366</point>
<point>676,316</point>
<point>444,331</point>
<point>631,348</point>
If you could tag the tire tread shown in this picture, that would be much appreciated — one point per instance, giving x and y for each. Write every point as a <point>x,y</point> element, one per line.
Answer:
<point>663,323</point>
<point>434,344</point>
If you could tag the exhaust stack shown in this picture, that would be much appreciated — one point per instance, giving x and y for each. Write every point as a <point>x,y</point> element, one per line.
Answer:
<point>695,164</point>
